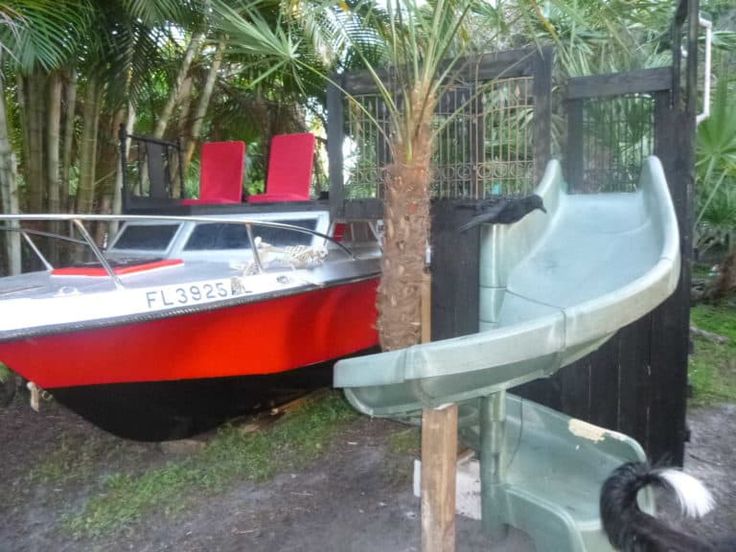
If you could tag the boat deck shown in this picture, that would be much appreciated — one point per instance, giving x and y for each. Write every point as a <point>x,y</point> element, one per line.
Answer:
<point>41,299</point>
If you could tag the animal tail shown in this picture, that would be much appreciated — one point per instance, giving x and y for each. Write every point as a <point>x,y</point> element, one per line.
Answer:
<point>630,529</point>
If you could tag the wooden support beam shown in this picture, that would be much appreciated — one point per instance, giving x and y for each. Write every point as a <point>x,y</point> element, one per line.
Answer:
<point>426,321</point>
<point>617,84</point>
<point>439,465</point>
<point>439,458</point>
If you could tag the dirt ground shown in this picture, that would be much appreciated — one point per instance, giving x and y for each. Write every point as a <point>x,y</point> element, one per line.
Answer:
<point>356,497</point>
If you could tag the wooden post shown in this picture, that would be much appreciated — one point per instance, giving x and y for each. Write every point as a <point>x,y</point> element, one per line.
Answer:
<point>335,139</point>
<point>439,459</point>
<point>426,314</point>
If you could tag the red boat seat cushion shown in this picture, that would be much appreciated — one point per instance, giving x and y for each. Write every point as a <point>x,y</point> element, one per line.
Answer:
<point>289,169</point>
<point>221,173</point>
<point>97,271</point>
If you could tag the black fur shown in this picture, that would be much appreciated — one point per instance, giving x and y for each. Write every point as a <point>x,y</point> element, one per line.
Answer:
<point>505,211</point>
<point>631,530</point>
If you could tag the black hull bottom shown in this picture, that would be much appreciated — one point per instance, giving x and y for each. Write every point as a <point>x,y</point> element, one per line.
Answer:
<point>165,410</point>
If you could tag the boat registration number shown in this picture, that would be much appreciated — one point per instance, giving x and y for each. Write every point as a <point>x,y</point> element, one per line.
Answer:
<point>190,294</point>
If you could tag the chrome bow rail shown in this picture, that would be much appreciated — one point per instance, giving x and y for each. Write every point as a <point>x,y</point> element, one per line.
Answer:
<point>88,241</point>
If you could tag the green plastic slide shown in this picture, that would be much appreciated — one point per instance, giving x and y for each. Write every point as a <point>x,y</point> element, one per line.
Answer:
<point>554,287</point>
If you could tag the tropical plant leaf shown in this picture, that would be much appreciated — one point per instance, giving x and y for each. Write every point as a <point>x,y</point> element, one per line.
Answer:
<point>42,33</point>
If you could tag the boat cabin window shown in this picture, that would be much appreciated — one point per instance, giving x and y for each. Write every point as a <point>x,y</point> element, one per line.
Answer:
<point>217,235</point>
<point>147,237</point>
<point>282,236</point>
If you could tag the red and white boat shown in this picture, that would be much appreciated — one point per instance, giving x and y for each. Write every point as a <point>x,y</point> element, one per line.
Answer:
<point>184,321</point>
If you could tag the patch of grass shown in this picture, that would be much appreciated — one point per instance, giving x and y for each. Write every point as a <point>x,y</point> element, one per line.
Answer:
<point>8,385</point>
<point>406,441</point>
<point>291,443</point>
<point>403,446</point>
<point>712,367</point>
<point>74,459</point>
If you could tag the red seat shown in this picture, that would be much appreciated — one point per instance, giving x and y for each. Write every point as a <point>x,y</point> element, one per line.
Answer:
<point>289,169</point>
<point>221,173</point>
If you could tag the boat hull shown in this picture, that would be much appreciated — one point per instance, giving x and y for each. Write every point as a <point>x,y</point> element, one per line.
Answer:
<point>116,376</point>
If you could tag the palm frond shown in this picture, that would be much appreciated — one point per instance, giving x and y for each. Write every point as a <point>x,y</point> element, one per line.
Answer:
<point>46,34</point>
<point>157,12</point>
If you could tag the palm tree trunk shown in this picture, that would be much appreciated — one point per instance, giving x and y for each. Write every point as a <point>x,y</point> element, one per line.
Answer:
<point>70,94</point>
<point>117,198</point>
<point>53,140</point>
<point>168,109</point>
<point>88,148</point>
<point>34,164</point>
<point>106,167</point>
<point>107,158</point>
<point>8,187</point>
<point>203,103</point>
<point>117,203</point>
<point>725,283</point>
<point>184,126</point>
<point>53,126</point>
<point>406,212</point>
<point>21,100</point>
<point>185,106</point>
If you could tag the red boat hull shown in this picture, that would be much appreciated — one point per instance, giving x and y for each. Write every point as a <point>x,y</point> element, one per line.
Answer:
<point>175,377</point>
<point>259,338</point>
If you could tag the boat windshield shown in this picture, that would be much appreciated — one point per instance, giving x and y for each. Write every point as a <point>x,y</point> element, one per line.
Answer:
<point>146,237</point>
<point>213,236</point>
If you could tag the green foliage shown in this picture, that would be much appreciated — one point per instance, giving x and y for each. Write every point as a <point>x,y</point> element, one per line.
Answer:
<point>8,385</point>
<point>420,40</point>
<point>74,460</point>
<point>713,366</point>
<point>716,172</point>
<point>39,32</point>
<point>259,35</point>
<point>293,442</point>
<point>404,445</point>
<point>717,136</point>
<point>5,373</point>
<point>595,37</point>
<point>157,12</point>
